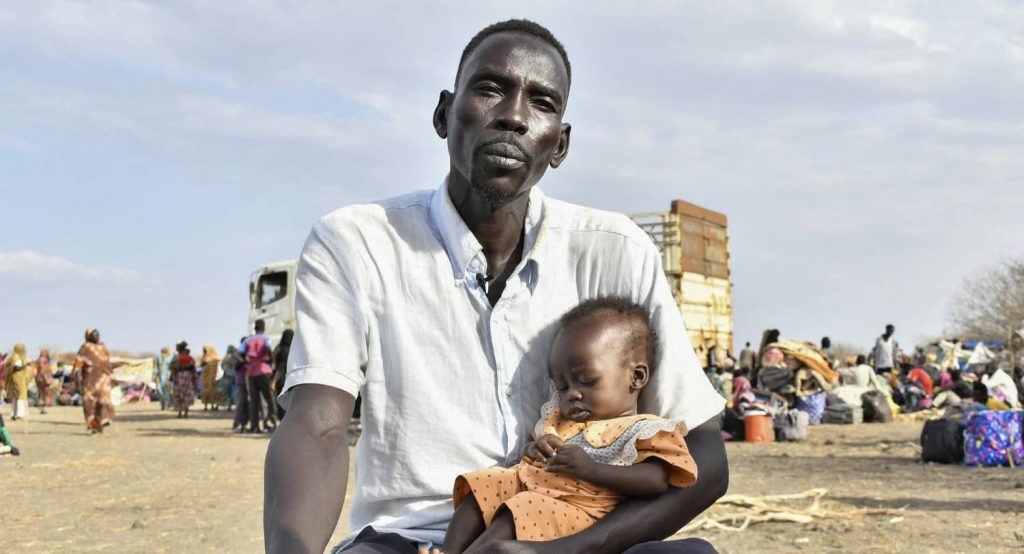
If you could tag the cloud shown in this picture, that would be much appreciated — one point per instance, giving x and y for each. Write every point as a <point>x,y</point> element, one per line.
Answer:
<point>27,265</point>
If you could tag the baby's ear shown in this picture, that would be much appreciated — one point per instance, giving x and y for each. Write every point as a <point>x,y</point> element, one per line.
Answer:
<point>640,375</point>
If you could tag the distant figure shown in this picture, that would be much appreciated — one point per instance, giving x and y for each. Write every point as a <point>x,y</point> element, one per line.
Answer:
<point>860,375</point>
<point>1001,386</point>
<point>93,365</point>
<point>162,378</point>
<point>256,349</point>
<point>747,358</point>
<point>982,399</point>
<point>241,392</point>
<point>228,365</point>
<point>950,354</point>
<point>19,375</point>
<point>44,380</point>
<point>183,374</point>
<point>281,367</point>
<point>713,361</point>
<point>3,379</point>
<point>885,350</point>
<point>211,365</point>
<point>826,349</point>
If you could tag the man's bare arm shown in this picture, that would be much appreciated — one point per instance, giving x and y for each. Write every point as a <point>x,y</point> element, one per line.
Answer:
<point>306,471</point>
<point>650,519</point>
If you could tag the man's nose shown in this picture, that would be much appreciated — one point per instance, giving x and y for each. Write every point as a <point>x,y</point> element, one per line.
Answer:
<point>512,113</point>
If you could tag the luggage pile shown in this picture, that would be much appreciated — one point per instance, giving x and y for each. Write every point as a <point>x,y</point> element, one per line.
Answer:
<point>799,376</point>
<point>981,438</point>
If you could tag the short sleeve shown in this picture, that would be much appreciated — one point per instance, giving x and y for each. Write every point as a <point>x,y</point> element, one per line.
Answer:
<point>330,343</point>
<point>669,447</point>
<point>678,390</point>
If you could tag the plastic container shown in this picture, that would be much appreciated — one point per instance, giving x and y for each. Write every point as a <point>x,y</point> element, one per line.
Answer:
<point>758,427</point>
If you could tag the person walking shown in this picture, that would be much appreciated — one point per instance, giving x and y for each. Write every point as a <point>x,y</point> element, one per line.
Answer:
<point>183,374</point>
<point>44,380</point>
<point>19,375</point>
<point>256,349</point>
<point>241,392</point>
<point>747,358</point>
<point>162,378</point>
<point>92,365</point>
<point>211,366</point>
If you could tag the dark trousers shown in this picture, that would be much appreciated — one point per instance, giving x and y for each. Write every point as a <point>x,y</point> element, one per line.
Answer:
<point>259,386</point>
<point>370,541</point>
<point>241,405</point>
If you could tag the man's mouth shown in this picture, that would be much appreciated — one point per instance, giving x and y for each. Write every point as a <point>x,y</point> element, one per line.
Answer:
<point>504,153</point>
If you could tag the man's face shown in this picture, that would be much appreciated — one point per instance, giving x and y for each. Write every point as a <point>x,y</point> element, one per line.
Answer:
<point>504,122</point>
<point>94,336</point>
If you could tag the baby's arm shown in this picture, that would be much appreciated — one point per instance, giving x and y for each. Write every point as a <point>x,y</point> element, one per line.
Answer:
<point>647,478</point>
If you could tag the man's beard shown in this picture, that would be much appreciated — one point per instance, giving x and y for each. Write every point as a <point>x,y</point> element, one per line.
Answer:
<point>494,195</point>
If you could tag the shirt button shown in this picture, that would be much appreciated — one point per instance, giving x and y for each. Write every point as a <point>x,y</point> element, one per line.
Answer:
<point>508,391</point>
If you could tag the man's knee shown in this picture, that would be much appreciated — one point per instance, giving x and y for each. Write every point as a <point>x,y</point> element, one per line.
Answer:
<point>682,546</point>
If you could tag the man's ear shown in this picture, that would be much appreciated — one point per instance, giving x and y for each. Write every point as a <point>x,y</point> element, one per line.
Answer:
<point>562,149</point>
<point>639,376</point>
<point>441,113</point>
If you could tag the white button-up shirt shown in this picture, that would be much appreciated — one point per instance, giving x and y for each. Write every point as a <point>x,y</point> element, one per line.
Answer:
<point>389,307</point>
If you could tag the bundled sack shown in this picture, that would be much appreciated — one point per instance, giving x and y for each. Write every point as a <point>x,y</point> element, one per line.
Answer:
<point>993,438</point>
<point>790,425</point>
<point>774,378</point>
<point>813,406</point>
<point>942,441</point>
<point>876,407</point>
<point>839,412</point>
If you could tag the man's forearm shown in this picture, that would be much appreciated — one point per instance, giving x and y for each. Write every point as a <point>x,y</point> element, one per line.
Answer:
<point>641,520</point>
<point>306,471</point>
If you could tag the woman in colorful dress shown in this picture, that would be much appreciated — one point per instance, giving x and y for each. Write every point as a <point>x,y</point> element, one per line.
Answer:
<point>211,366</point>
<point>44,380</point>
<point>162,378</point>
<point>183,374</point>
<point>97,376</point>
<point>19,375</point>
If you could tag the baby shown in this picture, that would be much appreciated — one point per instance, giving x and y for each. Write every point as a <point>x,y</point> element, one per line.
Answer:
<point>591,449</point>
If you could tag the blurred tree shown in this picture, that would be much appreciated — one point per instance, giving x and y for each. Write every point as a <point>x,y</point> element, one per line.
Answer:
<point>990,305</point>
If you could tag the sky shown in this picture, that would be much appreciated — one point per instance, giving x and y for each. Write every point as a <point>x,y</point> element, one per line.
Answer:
<point>869,155</point>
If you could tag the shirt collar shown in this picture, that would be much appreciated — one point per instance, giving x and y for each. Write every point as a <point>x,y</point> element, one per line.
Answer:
<point>464,251</point>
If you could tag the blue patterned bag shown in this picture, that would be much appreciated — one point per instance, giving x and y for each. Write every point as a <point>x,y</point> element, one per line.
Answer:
<point>993,438</point>
<point>814,405</point>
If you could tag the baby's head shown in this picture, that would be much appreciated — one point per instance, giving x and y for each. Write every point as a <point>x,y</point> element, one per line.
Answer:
<point>601,358</point>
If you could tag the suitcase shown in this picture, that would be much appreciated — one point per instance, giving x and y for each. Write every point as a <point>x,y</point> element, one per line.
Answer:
<point>843,413</point>
<point>876,407</point>
<point>993,438</point>
<point>942,441</point>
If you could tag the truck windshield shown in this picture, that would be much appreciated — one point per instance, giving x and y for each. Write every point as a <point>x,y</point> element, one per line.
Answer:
<point>271,288</point>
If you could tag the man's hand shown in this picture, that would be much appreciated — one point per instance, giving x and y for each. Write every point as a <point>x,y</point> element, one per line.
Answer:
<point>571,459</point>
<point>544,448</point>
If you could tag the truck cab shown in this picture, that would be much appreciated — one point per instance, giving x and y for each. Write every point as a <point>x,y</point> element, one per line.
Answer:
<point>272,298</point>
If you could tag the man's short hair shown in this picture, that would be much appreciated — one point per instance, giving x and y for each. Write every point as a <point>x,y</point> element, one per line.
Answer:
<point>524,26</point>
<point>643,341</point>
<point>259,326</point>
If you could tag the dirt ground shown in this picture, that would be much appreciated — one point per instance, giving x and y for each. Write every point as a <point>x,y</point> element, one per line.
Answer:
<point>154,483</point>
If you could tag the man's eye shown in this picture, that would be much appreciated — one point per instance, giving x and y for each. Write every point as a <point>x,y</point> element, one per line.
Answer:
<point>489,88</point>
<point>544,105</point>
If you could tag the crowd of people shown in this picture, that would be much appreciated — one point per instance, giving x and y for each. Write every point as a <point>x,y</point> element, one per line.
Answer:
<point>949,375</point>
<point>245,381</point>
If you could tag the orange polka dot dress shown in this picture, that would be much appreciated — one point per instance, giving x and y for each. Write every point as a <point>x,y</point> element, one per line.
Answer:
<point>546,505</point>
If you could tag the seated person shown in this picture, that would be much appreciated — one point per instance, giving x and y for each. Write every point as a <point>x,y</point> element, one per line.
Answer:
<point>982,401</point>
<point>592,448</point>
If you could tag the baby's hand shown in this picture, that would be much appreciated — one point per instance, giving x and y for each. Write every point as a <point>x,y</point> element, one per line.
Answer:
<point>573,460</point>
<point>543,449</point>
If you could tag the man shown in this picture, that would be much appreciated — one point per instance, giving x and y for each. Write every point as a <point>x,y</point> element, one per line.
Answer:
<point>747,358</point>
<point>885,351</point>
<point>859,375</point>
<point>256,349</point>
<point>1000,385</point>
<point>439,308</point>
